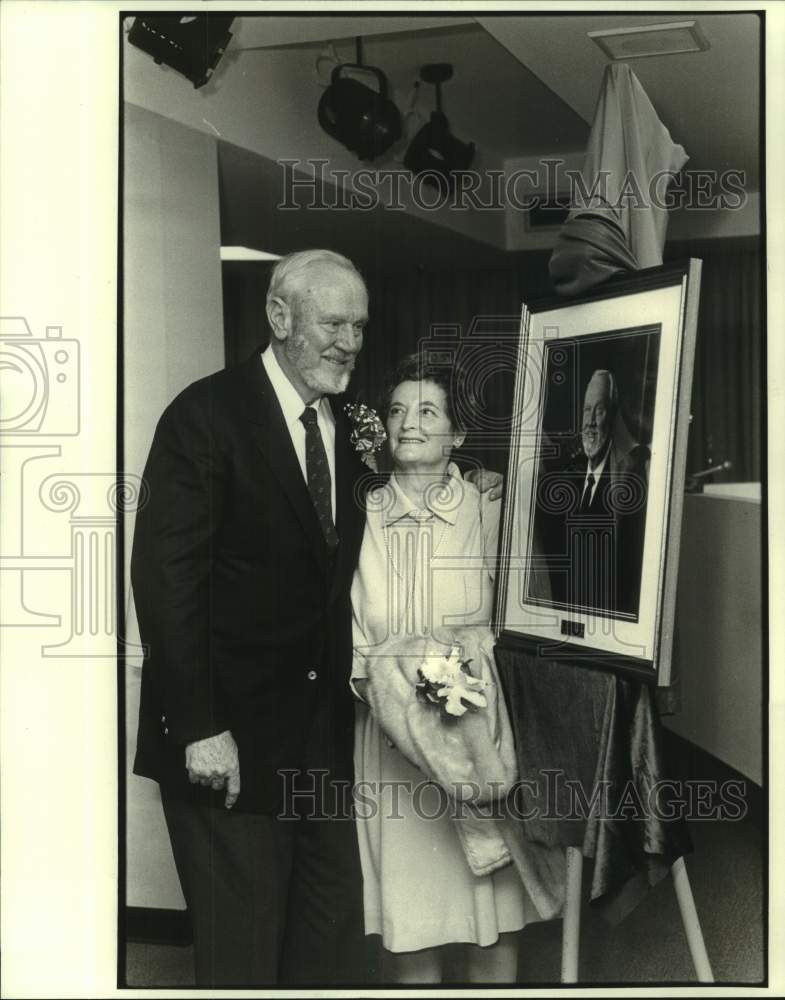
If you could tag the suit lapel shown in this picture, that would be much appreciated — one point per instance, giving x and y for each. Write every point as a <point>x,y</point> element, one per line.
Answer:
<point>272,436</point>
<point>349,469</point>
<point>344,470</point>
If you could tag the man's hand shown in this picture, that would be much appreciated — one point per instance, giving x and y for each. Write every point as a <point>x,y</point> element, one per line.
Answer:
<point>215,762</point>
<point>487,481</point>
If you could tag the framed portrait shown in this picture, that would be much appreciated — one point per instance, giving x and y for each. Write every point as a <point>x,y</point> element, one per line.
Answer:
<point>592,520</point>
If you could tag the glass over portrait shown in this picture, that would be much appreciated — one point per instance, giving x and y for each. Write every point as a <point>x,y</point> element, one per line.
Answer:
<point>590,491</point>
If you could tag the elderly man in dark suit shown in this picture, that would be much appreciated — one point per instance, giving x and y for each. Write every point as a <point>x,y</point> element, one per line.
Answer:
<point>591,513</point>
<point>241,569</point>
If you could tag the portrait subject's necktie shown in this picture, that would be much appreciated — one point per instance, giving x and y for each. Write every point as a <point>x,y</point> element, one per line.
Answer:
<point>317,473</point>
<point>586,498</point>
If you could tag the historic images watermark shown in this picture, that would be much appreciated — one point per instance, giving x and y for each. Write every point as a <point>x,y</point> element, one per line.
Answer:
<point>553,797</point>
<point>58,567</point>
<point>311,184</point>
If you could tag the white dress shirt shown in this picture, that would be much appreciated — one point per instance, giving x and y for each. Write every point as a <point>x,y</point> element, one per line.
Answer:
<point>292,407</point>
<point>596,473</point>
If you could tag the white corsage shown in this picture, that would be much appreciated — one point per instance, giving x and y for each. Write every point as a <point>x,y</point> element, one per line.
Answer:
<point>368,433</point>
<point>446,681</point>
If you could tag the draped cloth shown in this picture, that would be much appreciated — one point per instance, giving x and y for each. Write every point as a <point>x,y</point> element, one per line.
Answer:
<point>618,221</point>
<point>584,734</point>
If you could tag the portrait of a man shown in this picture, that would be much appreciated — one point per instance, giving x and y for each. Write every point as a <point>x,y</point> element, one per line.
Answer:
<point>591,493</point>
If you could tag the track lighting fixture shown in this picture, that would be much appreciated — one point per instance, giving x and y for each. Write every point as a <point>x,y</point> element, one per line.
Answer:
<point>363,119</point>
<point>192,45</point>
<point>434,151</point>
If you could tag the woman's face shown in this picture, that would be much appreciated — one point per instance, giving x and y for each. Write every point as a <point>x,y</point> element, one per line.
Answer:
<point>419,429</point>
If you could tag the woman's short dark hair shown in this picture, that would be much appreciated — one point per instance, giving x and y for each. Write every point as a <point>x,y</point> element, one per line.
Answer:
<point>414,368</point>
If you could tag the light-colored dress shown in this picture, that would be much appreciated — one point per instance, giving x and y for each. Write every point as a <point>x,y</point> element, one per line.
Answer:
<point>420,570</point>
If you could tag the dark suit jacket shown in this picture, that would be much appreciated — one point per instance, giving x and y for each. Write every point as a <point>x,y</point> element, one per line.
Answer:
<point>245,613</point>
<point>595,555</point>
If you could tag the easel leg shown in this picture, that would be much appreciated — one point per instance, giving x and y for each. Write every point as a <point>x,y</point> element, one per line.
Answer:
<point>571,924</point>
<point>689,917</point>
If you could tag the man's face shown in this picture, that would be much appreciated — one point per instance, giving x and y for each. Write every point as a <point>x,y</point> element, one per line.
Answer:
<point>325,327</point>
<point>597,417</point>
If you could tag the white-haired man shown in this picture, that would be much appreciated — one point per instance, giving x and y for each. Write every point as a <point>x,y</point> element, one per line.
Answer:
<point>591,513</point>
<point>241,569</point>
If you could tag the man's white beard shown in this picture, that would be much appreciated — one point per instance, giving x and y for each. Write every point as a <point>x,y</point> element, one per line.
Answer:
<point>323,383</point>
<point>317,379</point>
<point>596,449</point>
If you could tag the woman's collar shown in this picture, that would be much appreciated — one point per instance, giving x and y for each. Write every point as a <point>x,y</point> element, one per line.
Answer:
<point>443,500</point>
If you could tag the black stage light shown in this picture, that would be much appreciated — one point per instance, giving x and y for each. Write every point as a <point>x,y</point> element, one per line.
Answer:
<point>364,120</point>
<point>434,151</point>
<point>190,44</point>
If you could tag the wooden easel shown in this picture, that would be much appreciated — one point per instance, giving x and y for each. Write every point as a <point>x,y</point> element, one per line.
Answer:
<point>571,926</point>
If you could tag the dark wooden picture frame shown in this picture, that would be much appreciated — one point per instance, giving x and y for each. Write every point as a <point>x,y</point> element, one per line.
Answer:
<point>592,521</point>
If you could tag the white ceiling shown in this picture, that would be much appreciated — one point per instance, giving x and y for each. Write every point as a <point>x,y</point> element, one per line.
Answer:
<point>710,101</point>
<point>524,88</point>
<point>526,84</point>
<point>266,31</point>
<point>272,30</point>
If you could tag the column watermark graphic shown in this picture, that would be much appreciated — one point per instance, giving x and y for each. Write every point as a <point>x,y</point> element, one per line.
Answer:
<point>58,567</point>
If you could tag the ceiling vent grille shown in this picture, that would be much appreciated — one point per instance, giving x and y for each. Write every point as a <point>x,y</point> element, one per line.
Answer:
<point>652,40</point>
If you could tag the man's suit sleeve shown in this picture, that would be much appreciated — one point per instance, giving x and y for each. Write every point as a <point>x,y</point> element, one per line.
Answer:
<point>171,565</point>
<point>490,514</point>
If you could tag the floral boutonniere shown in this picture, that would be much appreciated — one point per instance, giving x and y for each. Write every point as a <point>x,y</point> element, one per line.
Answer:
<point>447,682</point>
<point>368,433</point>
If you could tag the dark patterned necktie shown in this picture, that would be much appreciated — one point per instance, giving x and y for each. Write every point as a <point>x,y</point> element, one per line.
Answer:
<point>586,498</point>
<point>317,471</point>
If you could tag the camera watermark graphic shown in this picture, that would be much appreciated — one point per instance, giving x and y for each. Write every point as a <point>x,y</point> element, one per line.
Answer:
<point>40,381</point>
<point>58,567</point>
<point>480,359</point>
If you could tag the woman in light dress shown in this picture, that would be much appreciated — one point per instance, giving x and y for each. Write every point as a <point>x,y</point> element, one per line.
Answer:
<point>427,561</point>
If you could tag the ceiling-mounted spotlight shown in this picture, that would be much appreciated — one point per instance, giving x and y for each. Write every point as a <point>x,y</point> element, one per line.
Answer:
<point>435,151</point>
<point>362,119</point>
<point>192,45</point>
